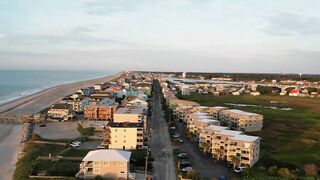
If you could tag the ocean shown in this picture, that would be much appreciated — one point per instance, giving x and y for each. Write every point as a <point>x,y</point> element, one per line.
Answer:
<point>15,84</point>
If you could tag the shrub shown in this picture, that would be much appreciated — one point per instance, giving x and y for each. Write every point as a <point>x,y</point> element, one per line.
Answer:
<point>286,173</point>
<point>311,169</point>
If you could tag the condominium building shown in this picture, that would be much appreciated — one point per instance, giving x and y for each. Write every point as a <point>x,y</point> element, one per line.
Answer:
<point>229,144</point>
<point>61,111</point>
<point>124,135</point>
<point>241,120</point>
<point>109,164</point>
<point>99,112</point>
<point>131,114</point>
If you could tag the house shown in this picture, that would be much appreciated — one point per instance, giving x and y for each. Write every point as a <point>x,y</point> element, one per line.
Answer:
<point>61,111</point>
<point>102,99</point>
<point>134,101</point>
<point>255,93</point>
<point>124,135</point>
<point>79,104</point>
<point>100,86</point>
<point>178,102</point>
<point>109,164</point>
<point>84,92</point>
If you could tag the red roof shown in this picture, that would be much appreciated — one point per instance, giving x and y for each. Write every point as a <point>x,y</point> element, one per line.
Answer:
<point>293,91</point>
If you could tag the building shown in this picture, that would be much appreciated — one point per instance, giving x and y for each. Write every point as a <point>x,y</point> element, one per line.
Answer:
<point>61,111</point>
<point>100,86</point>
<point>99,112</point>
<point>78,104</point>
<point>241,120</point>
<point>228,144</point>
<point>132,114</point>
<point>134,101</point>
<point>109,164</point>
<point>124,135</point>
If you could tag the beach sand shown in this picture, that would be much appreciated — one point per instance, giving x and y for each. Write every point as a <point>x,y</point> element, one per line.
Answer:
<point>10,135</point>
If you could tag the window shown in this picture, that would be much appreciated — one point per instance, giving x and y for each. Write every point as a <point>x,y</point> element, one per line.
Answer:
<point>124,130</point>
<point>124,141</point>
<point>105,163</point>
<point>96,170</point>
<point>96,163</point>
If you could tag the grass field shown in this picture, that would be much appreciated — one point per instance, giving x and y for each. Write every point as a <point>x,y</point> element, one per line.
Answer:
<point>28,163</point>
<point>290,138</point>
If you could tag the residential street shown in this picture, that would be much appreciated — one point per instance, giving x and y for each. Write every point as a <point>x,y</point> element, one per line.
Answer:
<point>161,148</point>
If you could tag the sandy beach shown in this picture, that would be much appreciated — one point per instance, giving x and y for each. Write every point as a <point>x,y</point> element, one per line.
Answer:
<point>10,134</point>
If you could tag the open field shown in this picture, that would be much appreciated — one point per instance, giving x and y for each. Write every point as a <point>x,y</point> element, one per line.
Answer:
<point>290,138</point>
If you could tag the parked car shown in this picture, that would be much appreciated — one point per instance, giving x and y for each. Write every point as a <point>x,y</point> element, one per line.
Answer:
<point>42,125</point>
<point>182,154</point>
<point>222,178</point>
<point>176,135</point>
<point>187,169</point>
<point>101,147</point>
<point>74,145</point>
<point>184,164</point>
<point>239,169</point>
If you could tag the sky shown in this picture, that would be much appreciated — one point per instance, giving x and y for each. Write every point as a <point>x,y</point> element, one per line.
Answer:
<point>270,36</point>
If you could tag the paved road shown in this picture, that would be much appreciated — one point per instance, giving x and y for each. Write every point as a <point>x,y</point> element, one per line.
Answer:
<point>160,141</point>
<point>204,165</point>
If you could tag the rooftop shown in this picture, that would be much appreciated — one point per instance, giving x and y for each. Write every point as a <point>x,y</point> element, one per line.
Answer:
<point>130,110</point>
<point>107,155</point>
<point>61,106</point>
<point>241,112</point>
<point>246,138</point>
<point>125,125</point>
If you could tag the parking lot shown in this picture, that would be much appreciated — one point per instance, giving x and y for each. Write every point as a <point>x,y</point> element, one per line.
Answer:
<point>58,130</point>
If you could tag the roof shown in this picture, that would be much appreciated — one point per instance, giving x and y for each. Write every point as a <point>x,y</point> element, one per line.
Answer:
<point>125,125</point>
<point>241,112</point>
<point>60,106</point>
<point>183,102</point>
<point>216,128</point>
<point>107,155</point>
<point>130,110</point>
<point>246,138</point>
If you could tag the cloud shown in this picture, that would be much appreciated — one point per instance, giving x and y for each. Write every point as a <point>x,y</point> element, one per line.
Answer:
<point>284,23</point>
<point>107,7</point>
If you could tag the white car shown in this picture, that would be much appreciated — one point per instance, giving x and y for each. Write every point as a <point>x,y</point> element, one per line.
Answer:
<point>74,145</point>
<point>187,169</point>
<point>239,169</point>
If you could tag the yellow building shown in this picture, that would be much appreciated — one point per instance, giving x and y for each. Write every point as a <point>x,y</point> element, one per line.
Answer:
<point>125,135</point>
<point>109,164</point>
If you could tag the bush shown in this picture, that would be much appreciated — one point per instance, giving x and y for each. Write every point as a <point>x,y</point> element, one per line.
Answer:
<point>286,173</point>
<point>311,169</point>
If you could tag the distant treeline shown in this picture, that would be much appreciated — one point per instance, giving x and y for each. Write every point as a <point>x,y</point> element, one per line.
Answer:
<point>250,76</point>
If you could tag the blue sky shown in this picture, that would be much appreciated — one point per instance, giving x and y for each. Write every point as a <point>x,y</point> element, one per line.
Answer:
<point>176,35</point>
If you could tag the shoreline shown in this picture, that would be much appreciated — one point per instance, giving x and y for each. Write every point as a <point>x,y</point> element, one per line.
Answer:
<point>11,134</point>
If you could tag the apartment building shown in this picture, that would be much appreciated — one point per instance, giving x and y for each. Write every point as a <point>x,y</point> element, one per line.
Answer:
<point>198,122</point>
<point>109,164</point>
<point>241,120</point>
<point>229,144</point>
<point>99,112</point>
<point>125,135</point>
<point>131,114</point>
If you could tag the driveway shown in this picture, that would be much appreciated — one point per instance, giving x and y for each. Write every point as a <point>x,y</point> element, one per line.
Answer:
<point>161,148</point>
<point>204,165</point>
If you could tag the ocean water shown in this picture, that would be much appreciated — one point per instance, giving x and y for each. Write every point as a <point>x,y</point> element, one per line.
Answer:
<point>15,84</point>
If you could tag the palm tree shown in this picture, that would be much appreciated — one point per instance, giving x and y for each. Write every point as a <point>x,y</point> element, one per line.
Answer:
<point>235,161</point>
<point>205,146</point>
<point>218,153</point>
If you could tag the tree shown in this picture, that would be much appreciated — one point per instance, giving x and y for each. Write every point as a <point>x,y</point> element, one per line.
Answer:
<point>192,175</point>
<point>235,160</point>
<point>206,146</point>
<point>311,169</point>
<point>218,153</point>
<point>286,173</point>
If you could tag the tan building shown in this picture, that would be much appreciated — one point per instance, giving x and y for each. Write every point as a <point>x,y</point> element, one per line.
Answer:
<point>125,135</point>
<point>241,120</point>
<point>61,111</point>
<point>100,112</point>
<point>228,144</point>
<point>109,164</point>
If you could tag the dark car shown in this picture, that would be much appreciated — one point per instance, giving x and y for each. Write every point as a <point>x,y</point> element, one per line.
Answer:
<point>42,125</point>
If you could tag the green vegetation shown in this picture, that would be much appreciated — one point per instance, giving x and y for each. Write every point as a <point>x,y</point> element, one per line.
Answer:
<point>290,138</point>
<point>85,131</point>
<point>57,168</point>
<point>29,162</point>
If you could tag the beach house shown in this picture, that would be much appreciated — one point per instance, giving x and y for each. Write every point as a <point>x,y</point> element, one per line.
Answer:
<point>109,164</point>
